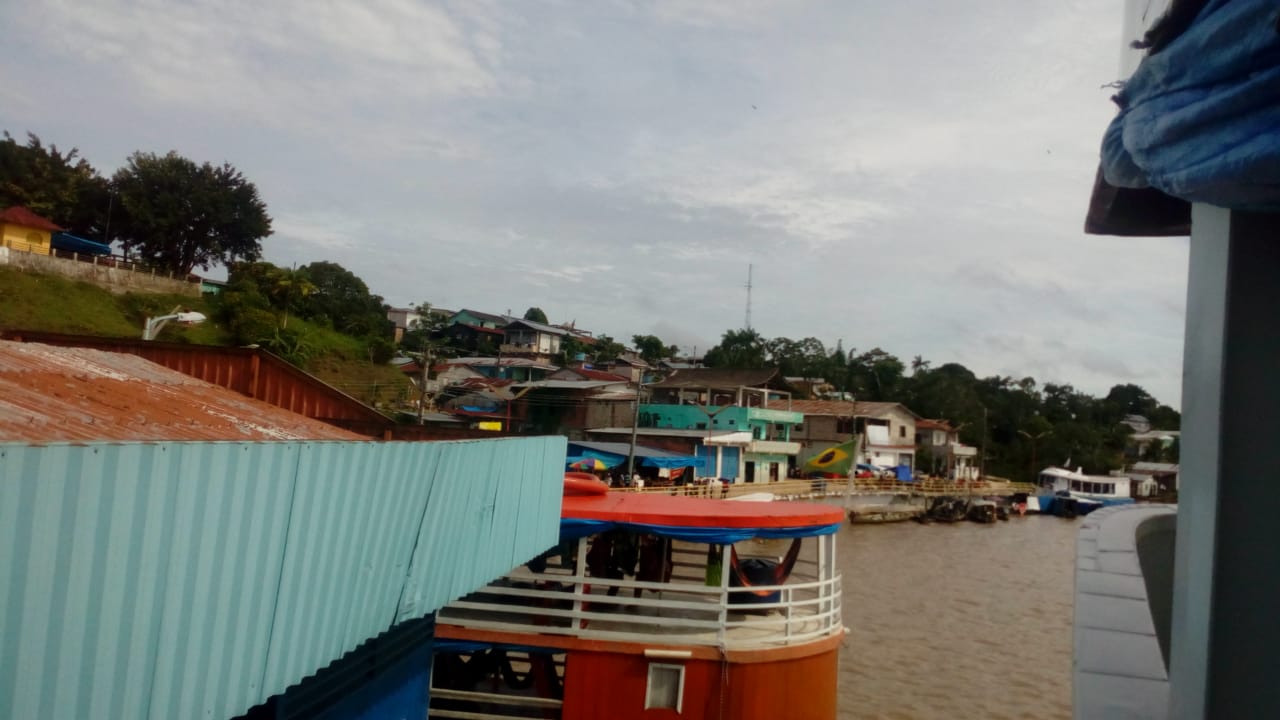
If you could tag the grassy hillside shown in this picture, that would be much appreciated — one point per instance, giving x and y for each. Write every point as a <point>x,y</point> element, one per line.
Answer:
<point>50,303</point>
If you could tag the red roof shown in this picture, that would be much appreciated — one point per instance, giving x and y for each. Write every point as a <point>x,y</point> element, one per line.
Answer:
<point>50,394</point>
<point>18,215</point>
<point>679,511</point>
<point>599,375</point>
<point>934,425</point>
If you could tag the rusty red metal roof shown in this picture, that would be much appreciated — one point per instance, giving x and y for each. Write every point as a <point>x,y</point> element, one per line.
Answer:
<point>53,394</point>
<point>18,215</point>
<point>599,375</point>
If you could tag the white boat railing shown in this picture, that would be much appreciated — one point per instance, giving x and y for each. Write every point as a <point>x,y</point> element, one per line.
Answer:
<point>677,613</point>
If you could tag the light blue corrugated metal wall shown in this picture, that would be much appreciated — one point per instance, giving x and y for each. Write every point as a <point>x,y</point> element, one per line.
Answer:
<point>198,579</point>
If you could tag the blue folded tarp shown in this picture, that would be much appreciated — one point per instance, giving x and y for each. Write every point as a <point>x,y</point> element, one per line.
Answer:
<point>75,243</point>
<point>1200,119</point>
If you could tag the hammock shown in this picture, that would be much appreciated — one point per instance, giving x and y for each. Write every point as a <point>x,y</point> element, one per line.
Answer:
<point>754,572</point>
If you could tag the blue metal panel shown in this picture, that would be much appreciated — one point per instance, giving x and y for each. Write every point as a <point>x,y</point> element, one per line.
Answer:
<point>729,463</point>
<point>198,579</point>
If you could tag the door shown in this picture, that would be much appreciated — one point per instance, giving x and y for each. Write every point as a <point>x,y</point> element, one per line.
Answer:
<point>750,470</point>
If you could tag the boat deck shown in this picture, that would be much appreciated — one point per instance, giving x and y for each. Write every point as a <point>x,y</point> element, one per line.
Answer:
<point>684,611</point>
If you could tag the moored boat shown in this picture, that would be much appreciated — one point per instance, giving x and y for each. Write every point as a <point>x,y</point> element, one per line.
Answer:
<point>1066,493</point>
<point>652,602</point>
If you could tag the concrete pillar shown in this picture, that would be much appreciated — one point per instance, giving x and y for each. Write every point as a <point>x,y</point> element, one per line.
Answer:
<point>1225,634</point>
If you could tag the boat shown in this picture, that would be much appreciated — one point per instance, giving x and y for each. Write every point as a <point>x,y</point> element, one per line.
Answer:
<point>982,511</point>
<point>1067,493</point>
<point>896,512</point>
<point>653,605</point>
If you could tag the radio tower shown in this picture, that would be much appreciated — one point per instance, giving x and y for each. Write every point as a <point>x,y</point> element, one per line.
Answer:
<point>748,321</point>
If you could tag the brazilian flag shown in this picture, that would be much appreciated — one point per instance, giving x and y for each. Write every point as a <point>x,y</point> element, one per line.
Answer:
<point>834,462</point>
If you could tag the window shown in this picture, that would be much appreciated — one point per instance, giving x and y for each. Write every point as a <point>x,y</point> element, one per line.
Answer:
<point>902,431</point>
<point>666,687</point>
<point>844,426</point>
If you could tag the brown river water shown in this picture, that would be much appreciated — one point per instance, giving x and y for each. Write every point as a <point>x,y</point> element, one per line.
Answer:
<point>957,621</point>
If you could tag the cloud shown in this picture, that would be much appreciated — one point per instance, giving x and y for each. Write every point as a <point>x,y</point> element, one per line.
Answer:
<point>906,175</point>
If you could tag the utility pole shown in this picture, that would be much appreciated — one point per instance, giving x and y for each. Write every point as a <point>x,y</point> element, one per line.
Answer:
<point>982,464</point>
<point>422,387</point>
<point>635,427</point>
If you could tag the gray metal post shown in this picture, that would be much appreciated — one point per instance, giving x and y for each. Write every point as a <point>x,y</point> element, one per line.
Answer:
<point>1227,566</point>
<point>635,429</point>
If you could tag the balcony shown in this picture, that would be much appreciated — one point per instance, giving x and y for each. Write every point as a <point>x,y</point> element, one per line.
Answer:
<point>773,447</point>
<point>685,611</point>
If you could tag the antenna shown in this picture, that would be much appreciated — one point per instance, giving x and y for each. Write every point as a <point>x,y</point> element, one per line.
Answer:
<point>747,325</point>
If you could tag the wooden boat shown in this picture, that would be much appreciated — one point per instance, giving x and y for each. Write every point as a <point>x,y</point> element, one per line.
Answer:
<point>884,513</point>
<point>654,606</point>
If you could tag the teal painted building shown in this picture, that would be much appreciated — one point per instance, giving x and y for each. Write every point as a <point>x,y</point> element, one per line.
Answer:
<point>742,444</point>
<point>201,579</point>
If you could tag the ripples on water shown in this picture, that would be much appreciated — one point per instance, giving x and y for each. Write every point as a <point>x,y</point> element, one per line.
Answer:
<point>957,621</point>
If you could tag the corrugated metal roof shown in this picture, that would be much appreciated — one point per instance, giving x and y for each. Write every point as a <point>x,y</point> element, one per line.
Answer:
<point>624,449</point>
<point>50,393</point>
<point>569,384</point>
<point>720,378</point>
<point>195,580</point>
<point>846,408</point>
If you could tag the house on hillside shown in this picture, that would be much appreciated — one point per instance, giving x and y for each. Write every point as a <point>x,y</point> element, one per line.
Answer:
<point>475,338</point>
<point>740,421</point>
<point>888,428</point>
<point>941,453</point>
<point>507,368</point>
<point>532,340</point>
<point>629,366</point>
<point>25,231</point>
<point>479,319</point>
<point>814,387</point>
<point>563,403</point>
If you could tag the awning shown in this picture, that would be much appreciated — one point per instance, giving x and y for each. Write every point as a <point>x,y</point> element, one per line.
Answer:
<point>614,454</point>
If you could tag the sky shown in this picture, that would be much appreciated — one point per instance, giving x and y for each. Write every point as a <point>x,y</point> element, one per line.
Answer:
<point>905,175</point>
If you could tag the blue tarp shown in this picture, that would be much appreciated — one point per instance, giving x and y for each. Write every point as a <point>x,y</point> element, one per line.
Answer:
<point>1200,119</point>
<point>573,528</point>
<point>75,243</point>
<point>903,472</point>
<point>674,462</point>
<point>643,458</point>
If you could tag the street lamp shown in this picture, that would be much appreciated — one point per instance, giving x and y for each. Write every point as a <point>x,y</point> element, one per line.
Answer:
<point>154,325</point>
<point>1033,439</point>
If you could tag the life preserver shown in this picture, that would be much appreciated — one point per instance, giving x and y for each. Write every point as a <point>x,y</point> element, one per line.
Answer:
<point>580,483</point>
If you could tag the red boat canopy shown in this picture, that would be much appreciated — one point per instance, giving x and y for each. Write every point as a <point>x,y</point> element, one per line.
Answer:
<point>684,512</point>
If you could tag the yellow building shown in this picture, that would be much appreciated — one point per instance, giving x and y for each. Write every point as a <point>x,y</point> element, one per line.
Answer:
<point>23,230</point>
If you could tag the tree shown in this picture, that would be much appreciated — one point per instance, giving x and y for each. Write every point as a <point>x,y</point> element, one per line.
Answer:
<point>606,348</point>
<point>737,349</point>
<point>63,187</point>
<point>650,347</point>
<point>343,300</point>
<point>180,215</point>
<point>535,314</point>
